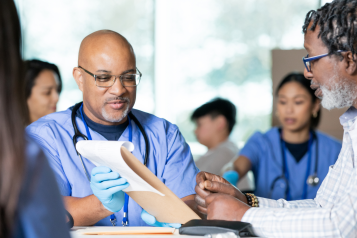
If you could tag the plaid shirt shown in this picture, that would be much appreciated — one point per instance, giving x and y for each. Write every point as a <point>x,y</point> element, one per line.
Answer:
<point>333,213</point>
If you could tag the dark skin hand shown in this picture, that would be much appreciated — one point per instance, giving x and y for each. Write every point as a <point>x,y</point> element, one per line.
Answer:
<point>189,200</point>
<point>208,184</point>
<point>225,207</point>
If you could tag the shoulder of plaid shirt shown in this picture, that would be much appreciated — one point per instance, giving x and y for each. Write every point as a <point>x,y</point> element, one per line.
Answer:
<point>333,212</point>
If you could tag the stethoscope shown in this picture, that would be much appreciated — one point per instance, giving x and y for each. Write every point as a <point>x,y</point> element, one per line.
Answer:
<point>311,180</point>
<point>78,134</point>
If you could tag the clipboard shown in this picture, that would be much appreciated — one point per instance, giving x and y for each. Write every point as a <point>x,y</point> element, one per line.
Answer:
<point>144,187</point>
<point>168,208</point>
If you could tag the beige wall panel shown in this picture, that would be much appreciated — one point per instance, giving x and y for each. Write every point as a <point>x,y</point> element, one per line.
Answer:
<point>286,61</point>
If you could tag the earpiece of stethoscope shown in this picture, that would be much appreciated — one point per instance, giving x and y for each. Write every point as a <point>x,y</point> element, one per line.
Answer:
<point>313,180</point>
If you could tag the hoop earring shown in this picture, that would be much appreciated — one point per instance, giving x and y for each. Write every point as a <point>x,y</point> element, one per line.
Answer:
<point>314,114</point>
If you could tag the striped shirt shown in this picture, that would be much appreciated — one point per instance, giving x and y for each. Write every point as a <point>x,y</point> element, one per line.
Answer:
<point>333,212</point>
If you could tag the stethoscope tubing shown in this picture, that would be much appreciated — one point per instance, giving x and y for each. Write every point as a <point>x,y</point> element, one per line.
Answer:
<point>78,134</point>
<point>286,171</point>
<point>282,176</point>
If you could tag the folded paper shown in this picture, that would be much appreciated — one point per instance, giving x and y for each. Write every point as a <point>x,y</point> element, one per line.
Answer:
<point>145,188</point>
<point>107,153</point>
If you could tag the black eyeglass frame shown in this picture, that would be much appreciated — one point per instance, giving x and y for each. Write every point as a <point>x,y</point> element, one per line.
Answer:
<point>115,78</point>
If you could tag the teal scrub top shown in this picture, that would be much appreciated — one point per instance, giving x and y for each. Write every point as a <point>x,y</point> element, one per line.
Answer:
<point>265,154</point>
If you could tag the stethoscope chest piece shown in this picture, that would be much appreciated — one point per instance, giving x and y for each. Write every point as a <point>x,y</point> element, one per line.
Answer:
<point>313,180</point>
<point>78,134</point>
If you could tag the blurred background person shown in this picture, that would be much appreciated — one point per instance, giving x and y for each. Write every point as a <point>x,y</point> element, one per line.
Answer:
<point>290,162</point>
<point>43,85</point>
<point>30,203</point>
<point>214,123</point>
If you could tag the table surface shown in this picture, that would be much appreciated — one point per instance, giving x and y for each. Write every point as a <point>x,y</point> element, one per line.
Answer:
<point>76,233</point>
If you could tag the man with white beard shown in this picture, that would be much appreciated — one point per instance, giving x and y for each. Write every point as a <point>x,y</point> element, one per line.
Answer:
<point>331,65</point>
<point>340,92</point>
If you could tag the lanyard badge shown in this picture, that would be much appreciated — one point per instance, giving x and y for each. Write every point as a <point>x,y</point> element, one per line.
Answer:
<point>113,219</point>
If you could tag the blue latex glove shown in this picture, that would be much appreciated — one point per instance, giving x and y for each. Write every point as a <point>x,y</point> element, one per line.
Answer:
<point>231,176</point>
<point>107,186</point>
<point>151,220</point>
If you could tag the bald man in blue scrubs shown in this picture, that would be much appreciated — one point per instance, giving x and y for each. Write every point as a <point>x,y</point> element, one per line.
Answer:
<point>106,66</point>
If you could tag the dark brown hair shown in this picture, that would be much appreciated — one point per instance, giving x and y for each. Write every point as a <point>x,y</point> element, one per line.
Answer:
<point>33,68</point>
<point>216,107</point>
<point>13,114</point>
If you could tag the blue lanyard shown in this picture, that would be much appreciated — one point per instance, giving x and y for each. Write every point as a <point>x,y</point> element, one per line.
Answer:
<point>286,172</point>
<point>126,203</point>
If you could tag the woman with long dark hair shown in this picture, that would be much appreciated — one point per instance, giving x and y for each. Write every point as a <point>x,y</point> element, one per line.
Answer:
<point>43,85</point>
<point>30,203</point>
<point>290,161</point>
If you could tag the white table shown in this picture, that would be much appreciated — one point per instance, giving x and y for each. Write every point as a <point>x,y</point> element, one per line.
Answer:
<point>76,233</point>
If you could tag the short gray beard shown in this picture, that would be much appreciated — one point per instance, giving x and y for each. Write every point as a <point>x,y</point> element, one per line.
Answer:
<point>343,93</point>
<point>111,118</point>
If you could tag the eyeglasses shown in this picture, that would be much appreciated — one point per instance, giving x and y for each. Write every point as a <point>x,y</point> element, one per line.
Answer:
<point>107,80</point>
<point>308,59</point>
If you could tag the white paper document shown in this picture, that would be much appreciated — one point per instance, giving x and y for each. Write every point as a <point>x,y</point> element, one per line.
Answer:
<point>107,153</point>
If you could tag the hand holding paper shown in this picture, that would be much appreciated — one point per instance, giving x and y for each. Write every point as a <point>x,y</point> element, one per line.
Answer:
<point>107,153</point>
<point>107,186</point>
<point>144,187</point>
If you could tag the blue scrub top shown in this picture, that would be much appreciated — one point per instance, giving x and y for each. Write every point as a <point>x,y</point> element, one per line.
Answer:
<point>40,210</point>
<point>170,157</point>
<point>265,154</point>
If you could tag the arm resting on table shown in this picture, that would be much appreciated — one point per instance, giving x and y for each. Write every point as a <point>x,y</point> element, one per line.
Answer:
<point>85,211</point>
<point>82,216</point>
<point>339,220</point>
<point>281,203</point>
<point>304,222</point>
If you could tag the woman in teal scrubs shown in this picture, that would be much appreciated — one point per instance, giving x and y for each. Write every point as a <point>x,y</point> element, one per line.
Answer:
<point>291,161</point>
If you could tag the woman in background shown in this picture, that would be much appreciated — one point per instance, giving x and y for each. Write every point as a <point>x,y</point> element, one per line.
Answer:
<point>290,162</point>
<point>43,85</point>
<point>30,203</point>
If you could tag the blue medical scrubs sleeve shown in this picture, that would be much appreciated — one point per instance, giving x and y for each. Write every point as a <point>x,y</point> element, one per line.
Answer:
<point>252,148</point>
<point>40,210</point>
<point>47,143</point>
<point>180,170</point>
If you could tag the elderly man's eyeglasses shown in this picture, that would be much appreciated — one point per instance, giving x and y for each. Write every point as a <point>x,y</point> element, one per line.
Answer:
<point>108,80</point>
<point>307,60</point>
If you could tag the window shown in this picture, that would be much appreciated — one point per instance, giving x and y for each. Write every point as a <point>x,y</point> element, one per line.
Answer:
<point>188,51</point>
<point>53,31</point>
